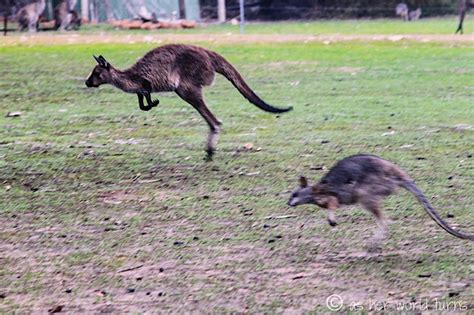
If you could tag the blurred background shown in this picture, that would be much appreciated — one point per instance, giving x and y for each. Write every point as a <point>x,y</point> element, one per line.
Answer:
<point>262,10</point>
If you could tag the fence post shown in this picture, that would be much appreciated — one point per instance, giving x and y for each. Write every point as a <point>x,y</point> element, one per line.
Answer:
<point>85,9</point>
<point>242,16</point>
<point>182,9</point>
<point>221,11</point>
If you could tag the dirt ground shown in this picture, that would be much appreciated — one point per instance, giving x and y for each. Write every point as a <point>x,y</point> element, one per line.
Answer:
<point>49,39</point>
<point>163,241</point>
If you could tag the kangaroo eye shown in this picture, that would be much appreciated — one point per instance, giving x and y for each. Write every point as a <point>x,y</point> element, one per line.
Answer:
<point>294,195</point>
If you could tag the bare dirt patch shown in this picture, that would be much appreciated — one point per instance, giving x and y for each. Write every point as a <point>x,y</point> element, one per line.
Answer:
<point>51,39</point>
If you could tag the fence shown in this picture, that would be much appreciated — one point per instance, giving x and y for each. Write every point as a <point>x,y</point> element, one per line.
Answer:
<point>310,9</point>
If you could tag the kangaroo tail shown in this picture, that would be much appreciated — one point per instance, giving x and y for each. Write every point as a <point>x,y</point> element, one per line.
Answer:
<point>223,67</point>
<point>411,187</point>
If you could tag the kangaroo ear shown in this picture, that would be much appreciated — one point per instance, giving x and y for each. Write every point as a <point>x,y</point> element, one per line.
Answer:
<point>303,182</point>
<point>96,59</point>
<point>103,63</point>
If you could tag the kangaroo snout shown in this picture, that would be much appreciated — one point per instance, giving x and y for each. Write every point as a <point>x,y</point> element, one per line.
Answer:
<point>90,84</point>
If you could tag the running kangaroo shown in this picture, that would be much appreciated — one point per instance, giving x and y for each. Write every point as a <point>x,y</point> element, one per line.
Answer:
<point>183,69</point>
<point>364,179</point>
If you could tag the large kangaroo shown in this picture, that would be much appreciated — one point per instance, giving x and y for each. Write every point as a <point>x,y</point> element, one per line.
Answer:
<point>183,69</point>
<point>402,10</point>
<point>464,7</point>
<point>28,16</point>
<point>66,18</point>
<point>364,179</point>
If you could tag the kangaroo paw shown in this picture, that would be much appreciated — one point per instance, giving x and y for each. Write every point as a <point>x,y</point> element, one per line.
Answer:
<point>210,154</point>
<point>155,103</point>
<point>146,108</point>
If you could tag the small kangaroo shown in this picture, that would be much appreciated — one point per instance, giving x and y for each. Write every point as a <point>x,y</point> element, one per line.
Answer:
<point>184,69</point>
<point>415,14</point>
<point>28,16</point>
<point>367,180</point>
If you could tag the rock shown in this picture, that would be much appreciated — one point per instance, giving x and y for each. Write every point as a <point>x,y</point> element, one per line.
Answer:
<point>248,146</point>
<point>13,114</point>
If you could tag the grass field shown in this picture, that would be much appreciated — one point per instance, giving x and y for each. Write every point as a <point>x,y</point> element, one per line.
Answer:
<point>91,186</point>
<point>445,25</point>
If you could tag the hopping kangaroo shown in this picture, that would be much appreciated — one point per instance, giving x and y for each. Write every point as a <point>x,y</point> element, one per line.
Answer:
<point>28,16</point>
<point>364,179</point>
<point>183,69</point>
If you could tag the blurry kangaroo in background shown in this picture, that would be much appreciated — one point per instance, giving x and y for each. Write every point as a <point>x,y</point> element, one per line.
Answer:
<point>402,10</point>
<point>464,7</point>
<point>364,179</point>
<point>65,18</point>
<point>183,69</point>
<point>415,15</point>
<point>28,16</point>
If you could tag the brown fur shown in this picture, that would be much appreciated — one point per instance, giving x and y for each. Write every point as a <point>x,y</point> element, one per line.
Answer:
<point>464,7</point>
<point>28,16</point>
<point>66,18</point>
<point>183,69</point>
<point>365,180</point>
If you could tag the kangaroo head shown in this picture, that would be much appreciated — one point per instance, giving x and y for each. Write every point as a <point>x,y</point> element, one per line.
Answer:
<point>304,194</point>
<point>100,74</point>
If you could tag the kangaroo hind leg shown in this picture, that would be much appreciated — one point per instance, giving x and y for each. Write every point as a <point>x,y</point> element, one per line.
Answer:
<point>194,97</point>
<point>373,205</point>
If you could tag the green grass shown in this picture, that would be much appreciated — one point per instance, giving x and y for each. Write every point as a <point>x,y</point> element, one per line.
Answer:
<point>73,149</point>
<point>443,25</point>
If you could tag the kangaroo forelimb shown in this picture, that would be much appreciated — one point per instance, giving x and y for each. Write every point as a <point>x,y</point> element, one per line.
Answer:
<point>150,103</point>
